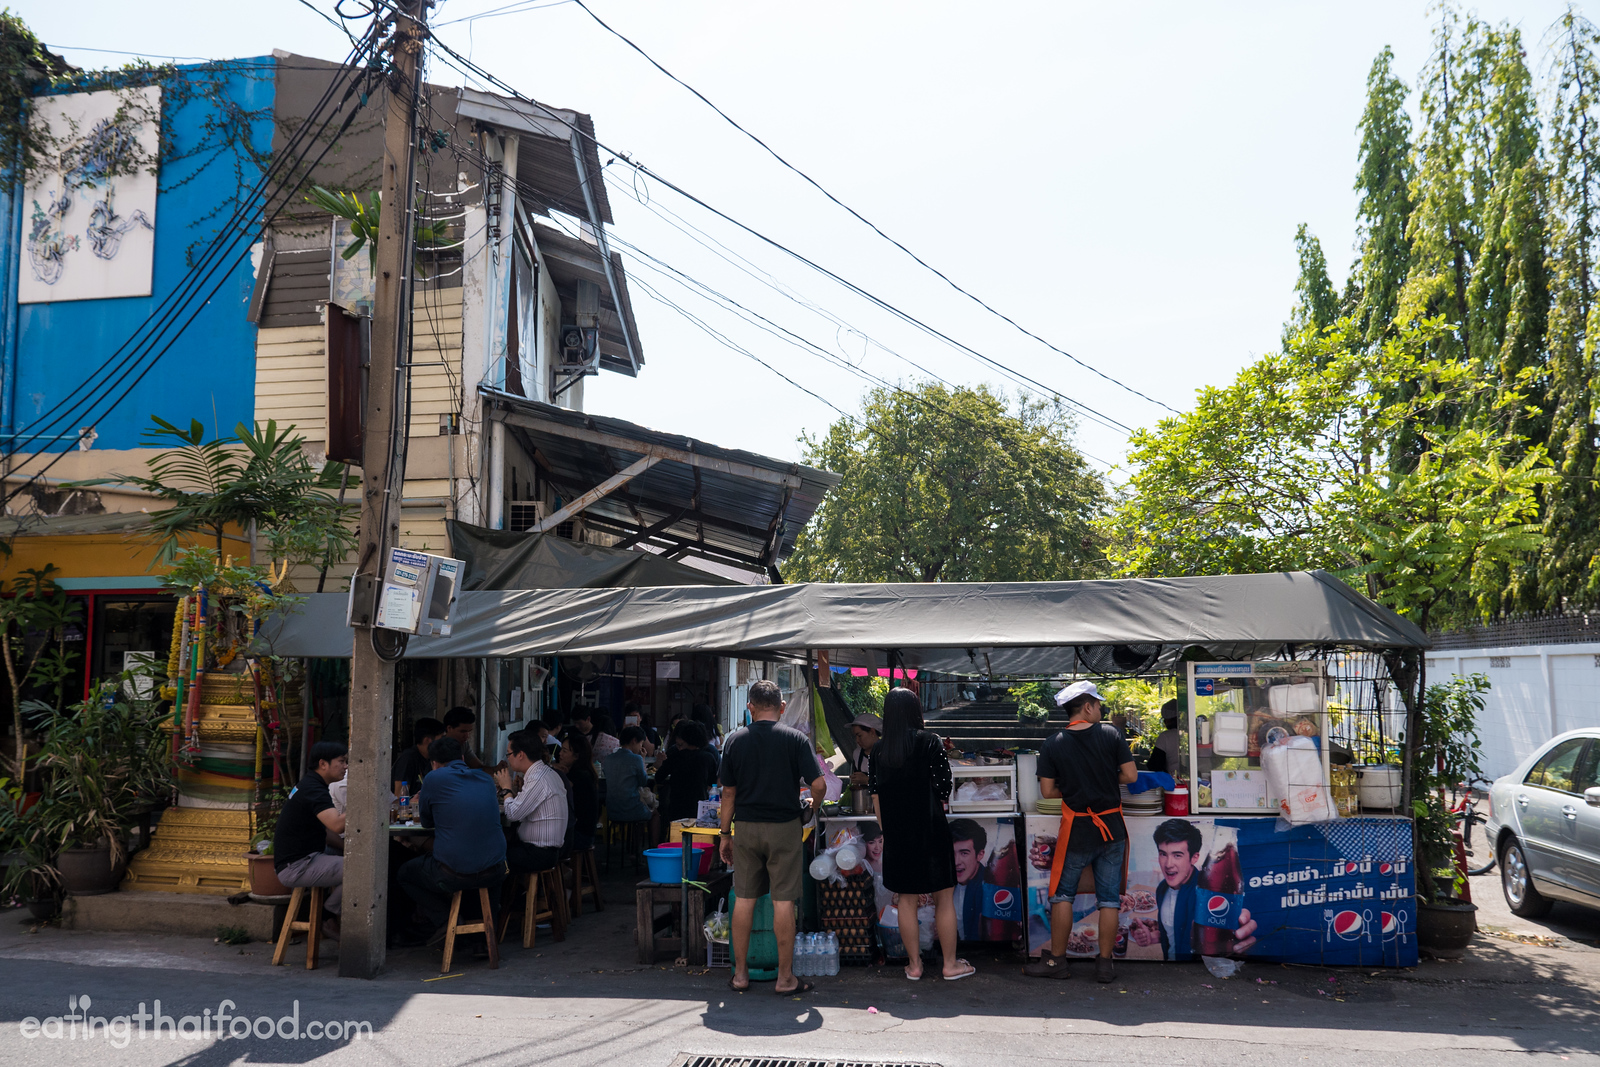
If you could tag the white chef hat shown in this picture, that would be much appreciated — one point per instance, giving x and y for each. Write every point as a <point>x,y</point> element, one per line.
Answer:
<point>1076,690</point>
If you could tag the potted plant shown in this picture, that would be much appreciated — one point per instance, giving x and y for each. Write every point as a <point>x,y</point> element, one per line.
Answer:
<point>104,761</point>
<point>1445,754</point>
<point>28,875</point>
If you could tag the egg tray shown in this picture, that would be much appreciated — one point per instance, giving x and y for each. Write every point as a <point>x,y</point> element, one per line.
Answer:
<point>851,912</point>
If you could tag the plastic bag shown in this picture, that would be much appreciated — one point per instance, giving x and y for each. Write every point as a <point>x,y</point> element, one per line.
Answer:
<point>1294,776</point>
<point>718,927</point>
<point>1222,967</point>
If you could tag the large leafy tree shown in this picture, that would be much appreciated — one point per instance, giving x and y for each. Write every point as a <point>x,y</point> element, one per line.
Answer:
<point>952,484</point>
<point>1285,469</point>
<point>1567,565</point>
<point>1384,181</point>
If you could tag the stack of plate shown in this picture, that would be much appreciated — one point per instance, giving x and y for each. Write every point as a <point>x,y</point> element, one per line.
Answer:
<point>1147,803</point>
<point>1049,807</point>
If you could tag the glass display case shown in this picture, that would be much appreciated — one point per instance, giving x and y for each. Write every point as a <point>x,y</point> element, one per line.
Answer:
<point>1237,709</point>
<point>983,787</point>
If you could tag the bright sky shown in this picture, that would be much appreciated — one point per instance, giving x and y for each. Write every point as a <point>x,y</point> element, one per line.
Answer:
<point>1123,180</point>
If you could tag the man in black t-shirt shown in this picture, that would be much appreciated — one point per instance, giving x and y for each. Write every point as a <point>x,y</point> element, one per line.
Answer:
<point>305,822</point>
<point>1085,765</point>
<point>413,764</point>
<point>763,767</point>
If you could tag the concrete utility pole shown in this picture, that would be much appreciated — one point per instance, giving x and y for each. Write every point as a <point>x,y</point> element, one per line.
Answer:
<point>366,867</point>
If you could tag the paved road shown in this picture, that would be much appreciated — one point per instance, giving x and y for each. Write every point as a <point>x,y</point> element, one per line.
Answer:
<point>586,1003</point>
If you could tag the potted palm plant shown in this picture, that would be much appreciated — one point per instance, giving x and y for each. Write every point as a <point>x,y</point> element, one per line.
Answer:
<point>1445,755</point>
<point>104,761</point>
<point>26,871</point>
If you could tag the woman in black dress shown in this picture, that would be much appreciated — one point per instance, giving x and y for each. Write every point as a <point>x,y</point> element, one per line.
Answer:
<point>909,777</point>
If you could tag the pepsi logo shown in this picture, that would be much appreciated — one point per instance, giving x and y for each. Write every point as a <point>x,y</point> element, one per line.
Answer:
<point>1002,898</point>
<point>1385,868</point>
<point>1348,925</point>
<point>1217,905</point>
<point>1391,925</point>
<point>1350,868</point>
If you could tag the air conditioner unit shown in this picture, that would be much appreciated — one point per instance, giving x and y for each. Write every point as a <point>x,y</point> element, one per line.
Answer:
<point>579,345</point>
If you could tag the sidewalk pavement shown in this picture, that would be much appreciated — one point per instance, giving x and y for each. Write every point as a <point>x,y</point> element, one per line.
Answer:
<point>586,1002</point>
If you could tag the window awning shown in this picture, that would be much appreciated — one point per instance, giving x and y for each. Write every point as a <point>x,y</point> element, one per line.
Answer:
<point>671,493</point>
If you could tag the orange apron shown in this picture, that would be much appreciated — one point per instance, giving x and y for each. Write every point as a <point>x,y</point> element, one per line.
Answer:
<point>1065,836</point>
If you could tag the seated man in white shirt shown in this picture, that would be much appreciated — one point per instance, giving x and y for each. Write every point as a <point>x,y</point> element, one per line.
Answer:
<point>539,808</point>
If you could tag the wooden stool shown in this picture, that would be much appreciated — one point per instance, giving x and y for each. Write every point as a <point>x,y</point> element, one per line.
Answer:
<point>484,926</point>
<point>585,881</point>
<point>691,944</point>
<point>292,925</point>
<point>544,886</point>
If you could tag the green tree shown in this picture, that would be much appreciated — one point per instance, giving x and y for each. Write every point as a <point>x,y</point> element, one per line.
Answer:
<point>946,484</point>
<point>1316,304</point>
<point>34,616</point>
<point>1384,181</point>
<point>1284,469</point>
<point>1449,180</point>
<point>1569,564</point>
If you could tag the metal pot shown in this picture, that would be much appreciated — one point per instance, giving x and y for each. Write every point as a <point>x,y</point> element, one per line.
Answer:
<point>1379,787</point>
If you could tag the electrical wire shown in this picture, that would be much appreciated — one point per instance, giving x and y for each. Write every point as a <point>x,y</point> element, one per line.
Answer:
<point>508,9</point>
<point>465,66</point>
<point>862,218</point>
<point>745,266</point>
<point>161,316</point>
<point>471,155</point>
<point>208,266</point>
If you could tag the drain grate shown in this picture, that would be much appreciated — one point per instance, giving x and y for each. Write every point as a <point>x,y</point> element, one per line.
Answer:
<point>688,1060</point>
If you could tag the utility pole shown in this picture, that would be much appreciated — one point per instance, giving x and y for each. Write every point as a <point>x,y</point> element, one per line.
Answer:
<point>365,911</point>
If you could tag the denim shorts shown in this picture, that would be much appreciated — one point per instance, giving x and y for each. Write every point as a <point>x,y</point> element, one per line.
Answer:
<point>1106,859</point>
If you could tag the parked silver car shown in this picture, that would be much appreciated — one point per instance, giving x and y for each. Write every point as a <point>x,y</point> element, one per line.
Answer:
<point>1545,823</point>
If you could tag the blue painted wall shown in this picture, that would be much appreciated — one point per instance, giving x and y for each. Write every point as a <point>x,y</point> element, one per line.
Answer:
<point>209,372</point>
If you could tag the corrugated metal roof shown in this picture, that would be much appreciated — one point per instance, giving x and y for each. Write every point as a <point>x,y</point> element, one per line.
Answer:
<point>719,502</point>
<point>544,150</point>
<point>73,525</point>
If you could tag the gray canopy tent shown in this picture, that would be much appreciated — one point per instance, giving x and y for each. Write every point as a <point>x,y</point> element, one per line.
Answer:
<point>1100,627</point>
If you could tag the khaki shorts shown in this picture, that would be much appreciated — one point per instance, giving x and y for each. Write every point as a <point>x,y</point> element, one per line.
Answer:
<point>766,859</point>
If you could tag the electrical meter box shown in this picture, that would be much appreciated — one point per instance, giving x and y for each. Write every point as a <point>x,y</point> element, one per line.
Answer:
<point>419,592</point>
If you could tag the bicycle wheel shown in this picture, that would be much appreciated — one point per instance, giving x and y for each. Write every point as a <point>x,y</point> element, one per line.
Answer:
<point>1479,849</point>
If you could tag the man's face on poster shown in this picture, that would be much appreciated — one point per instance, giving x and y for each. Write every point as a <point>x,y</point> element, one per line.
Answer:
<point>967,863</point>
<point>1177,862</point>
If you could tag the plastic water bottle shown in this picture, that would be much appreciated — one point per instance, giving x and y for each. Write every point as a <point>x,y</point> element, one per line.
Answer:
<point>800,952</point>
<point>813,956</point>
<point>833,953</point>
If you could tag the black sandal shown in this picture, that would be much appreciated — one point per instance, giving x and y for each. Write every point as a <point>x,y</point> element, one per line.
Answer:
<point>799,990</point>
<point>738,989</point>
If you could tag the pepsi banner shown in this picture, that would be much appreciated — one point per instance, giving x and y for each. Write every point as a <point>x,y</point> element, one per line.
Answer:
<point>1340,893</point>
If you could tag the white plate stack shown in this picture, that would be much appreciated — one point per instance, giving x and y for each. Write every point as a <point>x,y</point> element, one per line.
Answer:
<point>1147,803</point>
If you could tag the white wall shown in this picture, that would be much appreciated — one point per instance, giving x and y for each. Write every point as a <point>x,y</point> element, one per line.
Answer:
<point>1537,691</point>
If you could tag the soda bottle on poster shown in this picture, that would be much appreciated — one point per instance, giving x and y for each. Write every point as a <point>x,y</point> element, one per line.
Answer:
<point>1002,904</point>
<point>1219,896</point>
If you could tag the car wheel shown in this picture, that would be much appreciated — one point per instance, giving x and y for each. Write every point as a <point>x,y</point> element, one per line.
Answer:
<point>1517,883</point>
